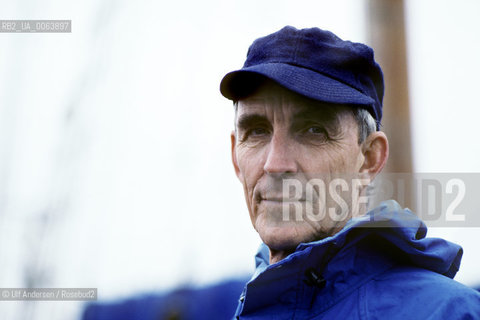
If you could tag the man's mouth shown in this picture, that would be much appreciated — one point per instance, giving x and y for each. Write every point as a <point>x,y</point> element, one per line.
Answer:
<point>280,199</point>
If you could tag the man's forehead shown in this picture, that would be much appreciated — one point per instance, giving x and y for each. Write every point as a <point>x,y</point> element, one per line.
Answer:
<point>268,104</point>
<point>294,105</point>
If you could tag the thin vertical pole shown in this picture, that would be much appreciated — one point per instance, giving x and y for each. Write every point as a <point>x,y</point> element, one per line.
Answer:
<point>386,30</point>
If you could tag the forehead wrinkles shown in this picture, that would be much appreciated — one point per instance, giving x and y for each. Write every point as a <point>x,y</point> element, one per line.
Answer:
<point>277,109</point>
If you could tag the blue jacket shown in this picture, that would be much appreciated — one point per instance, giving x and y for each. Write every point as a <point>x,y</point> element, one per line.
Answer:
<point>379,266</point>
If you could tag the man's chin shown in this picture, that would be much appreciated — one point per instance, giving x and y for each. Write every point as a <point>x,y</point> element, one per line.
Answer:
<point>283,238</point>
<point>285,234</point>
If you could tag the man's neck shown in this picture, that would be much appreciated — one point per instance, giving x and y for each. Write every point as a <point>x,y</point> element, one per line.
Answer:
<point>278,255</point>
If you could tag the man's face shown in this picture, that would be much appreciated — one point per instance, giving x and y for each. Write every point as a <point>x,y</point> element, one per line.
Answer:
<point>280,135</point>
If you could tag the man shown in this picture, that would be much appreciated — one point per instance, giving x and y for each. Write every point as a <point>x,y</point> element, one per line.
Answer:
<point>308,107</point>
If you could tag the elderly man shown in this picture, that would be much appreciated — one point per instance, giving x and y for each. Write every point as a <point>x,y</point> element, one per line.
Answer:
<point>308,108</point>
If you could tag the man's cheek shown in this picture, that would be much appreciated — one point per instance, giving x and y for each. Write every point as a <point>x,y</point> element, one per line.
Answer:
<point>249,197</point>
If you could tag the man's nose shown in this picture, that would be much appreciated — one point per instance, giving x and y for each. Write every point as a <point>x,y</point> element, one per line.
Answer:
<point>281,156</point>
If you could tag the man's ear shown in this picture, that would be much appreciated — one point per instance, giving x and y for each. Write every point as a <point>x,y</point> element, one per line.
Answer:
<point>234,154</point>
<point>375,151</point>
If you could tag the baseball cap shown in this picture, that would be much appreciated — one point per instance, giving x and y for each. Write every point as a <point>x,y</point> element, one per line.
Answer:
<point>314,63</point>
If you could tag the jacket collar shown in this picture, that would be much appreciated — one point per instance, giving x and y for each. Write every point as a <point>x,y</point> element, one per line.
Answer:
<point>365,247</point>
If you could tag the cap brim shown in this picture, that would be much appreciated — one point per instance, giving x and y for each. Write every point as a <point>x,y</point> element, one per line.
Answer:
<point>237,84</point>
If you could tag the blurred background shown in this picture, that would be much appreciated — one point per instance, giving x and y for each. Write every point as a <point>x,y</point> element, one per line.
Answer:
<point>115,167</point>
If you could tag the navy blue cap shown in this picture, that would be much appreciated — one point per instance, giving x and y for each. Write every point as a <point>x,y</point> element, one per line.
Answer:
<point>314,63</point>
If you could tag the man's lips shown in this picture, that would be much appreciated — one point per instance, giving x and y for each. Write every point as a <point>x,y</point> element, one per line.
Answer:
<point>279,199</point>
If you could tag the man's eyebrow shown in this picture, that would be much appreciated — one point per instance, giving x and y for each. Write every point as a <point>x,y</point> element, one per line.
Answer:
<point>247,120</point>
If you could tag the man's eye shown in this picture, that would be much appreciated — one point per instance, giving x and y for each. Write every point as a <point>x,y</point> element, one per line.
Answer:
<point>316,130</point>
<point>258,131</point>
<point>315,134</point>
<point>255,134</point>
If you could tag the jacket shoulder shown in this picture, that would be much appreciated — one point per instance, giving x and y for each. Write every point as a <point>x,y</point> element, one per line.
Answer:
<point>406,292</point>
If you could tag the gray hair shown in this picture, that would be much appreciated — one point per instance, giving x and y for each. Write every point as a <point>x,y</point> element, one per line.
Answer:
<point>366,123</point>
